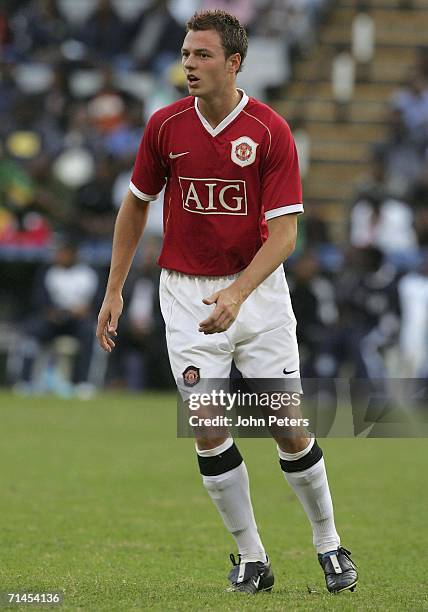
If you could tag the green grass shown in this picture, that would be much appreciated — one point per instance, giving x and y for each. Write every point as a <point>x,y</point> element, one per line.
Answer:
<point>101,500</point>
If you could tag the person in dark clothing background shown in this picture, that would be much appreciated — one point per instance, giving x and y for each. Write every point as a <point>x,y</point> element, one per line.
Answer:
<point>64,296</point>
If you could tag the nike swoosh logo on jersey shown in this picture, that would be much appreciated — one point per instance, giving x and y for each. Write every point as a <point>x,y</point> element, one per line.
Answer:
<point>288,372</point>
<point>175,155</point>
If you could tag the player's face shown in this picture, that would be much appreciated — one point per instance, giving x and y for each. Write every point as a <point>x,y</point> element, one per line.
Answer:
<point>208,71</point>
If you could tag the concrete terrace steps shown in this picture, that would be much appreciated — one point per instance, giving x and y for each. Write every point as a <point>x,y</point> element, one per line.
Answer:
<point>412,35</point>
<point>325,110</point>
<point>328,210</point>
<point>341,151</point>
<point>334,171</point>
<point>329,180</point>
<point>341,192</point>
<point>343,15</point>
<point>386,72</point>
<point>389,51</point>
<point>345,133</point>
<point>364,92</point>
<point>332,150</point>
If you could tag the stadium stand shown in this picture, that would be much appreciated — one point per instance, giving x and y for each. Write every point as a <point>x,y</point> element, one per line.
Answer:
<point>74,99</point>
<point>346,142</point>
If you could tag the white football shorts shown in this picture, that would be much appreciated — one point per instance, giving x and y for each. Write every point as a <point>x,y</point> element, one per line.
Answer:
<point>262,340</point>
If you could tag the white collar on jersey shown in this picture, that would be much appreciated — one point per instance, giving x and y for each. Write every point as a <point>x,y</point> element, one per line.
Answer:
<point>227,120</point>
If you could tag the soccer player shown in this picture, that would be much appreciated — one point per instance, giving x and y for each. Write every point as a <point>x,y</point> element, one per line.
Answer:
<point>232,197</point>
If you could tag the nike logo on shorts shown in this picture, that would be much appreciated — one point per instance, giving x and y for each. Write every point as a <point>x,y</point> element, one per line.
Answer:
<point>175,155</point>
<point>288,372</point>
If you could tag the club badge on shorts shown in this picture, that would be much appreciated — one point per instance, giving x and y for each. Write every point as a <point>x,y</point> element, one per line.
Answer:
<point>191,376</point>
<point>243,151</point>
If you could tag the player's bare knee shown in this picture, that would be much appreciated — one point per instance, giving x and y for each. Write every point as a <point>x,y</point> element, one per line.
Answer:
<point>292,445</point>
<point>207,443</point>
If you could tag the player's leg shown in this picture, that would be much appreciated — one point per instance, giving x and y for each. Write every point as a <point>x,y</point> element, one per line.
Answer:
<point>306,474</point>
<point>301,458</point>
<point>303,466</point>
<point>195,357</point>
<point>36,332</point>
<point>225,477</point>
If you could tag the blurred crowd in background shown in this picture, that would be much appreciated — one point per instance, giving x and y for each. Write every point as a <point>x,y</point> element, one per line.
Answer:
<point>79,79</point>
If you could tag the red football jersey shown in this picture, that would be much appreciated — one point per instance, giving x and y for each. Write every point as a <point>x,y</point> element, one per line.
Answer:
<point>222,184</point>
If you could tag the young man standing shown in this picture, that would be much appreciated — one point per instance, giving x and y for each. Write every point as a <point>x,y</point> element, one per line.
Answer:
<point>232,196</point>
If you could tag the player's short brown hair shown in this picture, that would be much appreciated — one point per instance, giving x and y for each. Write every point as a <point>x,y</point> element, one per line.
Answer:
<point>233,35</point>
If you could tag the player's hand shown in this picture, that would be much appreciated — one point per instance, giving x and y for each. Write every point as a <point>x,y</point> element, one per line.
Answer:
<point>107,321</point>
<point>228,303</point>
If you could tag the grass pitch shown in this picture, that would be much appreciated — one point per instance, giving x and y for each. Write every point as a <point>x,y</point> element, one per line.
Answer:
<point>100,500</point>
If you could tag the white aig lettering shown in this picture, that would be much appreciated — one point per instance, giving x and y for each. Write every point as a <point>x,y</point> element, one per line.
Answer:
<point>214,196</point>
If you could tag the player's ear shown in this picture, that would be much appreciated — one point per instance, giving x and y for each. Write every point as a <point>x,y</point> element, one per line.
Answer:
<point>234,62</point>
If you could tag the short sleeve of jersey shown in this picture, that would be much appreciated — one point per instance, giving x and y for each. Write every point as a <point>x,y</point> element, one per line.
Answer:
<point>281,184</point>
<point>148,177</point>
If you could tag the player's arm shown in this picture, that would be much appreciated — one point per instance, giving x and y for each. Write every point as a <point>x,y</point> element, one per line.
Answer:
<point>279,245</point>
<point>129,227</point>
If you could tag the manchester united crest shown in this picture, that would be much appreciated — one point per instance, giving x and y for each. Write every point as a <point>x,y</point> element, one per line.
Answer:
<point>243,151</point>
<point>191,376</point>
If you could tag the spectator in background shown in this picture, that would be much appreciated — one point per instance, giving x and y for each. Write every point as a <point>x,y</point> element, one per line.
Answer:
<point>303,142</point>
<point>123,141</point>
<point>63,303</point>
<point>21,224</point>
<point>413,291</point>
<point>158,38</point>
<point>40,29</point>
<point>142,357</point>
<point>107,107</point>
<point>380,221</point>
<point>74,167</point>
<point>6,35</point>
<point>292,21</point>
<point>30,119</point>
<point>421,62</point>
<point>375,178</point>
<point>106,36</point>
<point>401,155</point>
<point>412,102</point>
<point>369,317</point>
<point>315,230</point>
<point>52,198</point>
<point>81,130</point>
<point>419,201</point>
<point>314,304</point>
<point>94,210</point>
<point>8,93</point>
<point>57,101</point>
